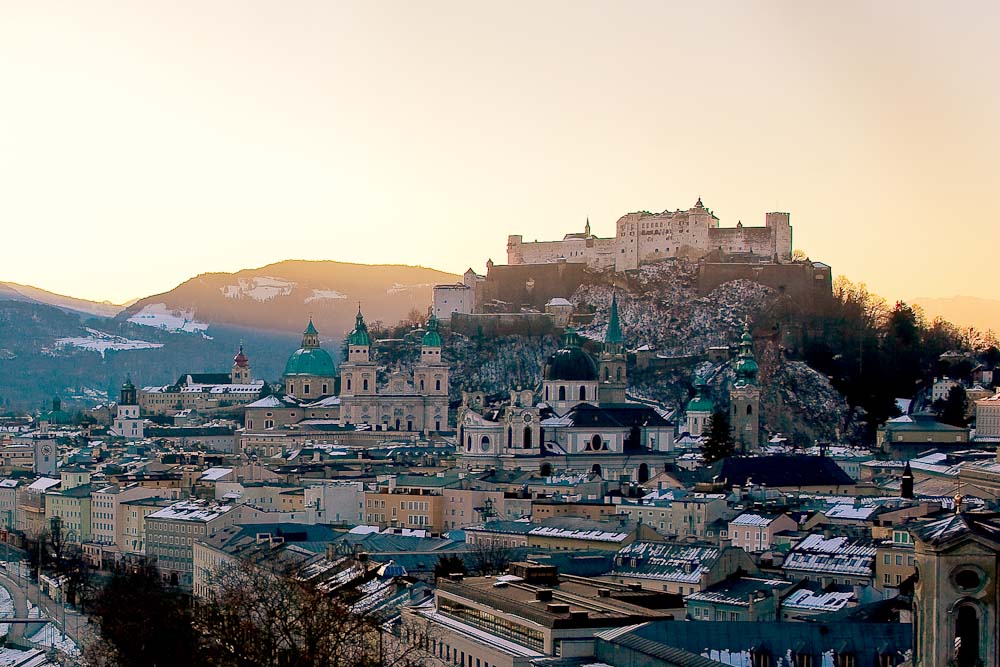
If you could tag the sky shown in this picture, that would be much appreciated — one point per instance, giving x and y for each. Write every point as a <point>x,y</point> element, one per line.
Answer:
<point>144,143</point>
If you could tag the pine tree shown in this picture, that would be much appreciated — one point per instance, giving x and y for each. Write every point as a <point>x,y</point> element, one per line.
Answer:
<point>954,407</point>
<point>719,443</point>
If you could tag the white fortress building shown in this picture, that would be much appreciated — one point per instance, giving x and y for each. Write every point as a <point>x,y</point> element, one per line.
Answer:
<point>644,237</point>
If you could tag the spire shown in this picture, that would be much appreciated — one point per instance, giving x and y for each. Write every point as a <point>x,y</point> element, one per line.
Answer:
<point>360,334</point>
<point>614,333</point>
<point>432,338</point>
<point>310,337</point>
<point>698,204</point>
<point>586,229</point>
<point>746,366</point>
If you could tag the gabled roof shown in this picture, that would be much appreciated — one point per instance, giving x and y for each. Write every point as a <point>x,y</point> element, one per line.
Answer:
<point>956,526</point>
<point>779,471</point>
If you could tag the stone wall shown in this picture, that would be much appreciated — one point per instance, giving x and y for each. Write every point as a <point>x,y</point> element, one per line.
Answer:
<point>808,284</point>
<point>502,324</point>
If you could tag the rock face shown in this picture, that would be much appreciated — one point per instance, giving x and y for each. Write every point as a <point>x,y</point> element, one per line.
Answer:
<point>659,307</point>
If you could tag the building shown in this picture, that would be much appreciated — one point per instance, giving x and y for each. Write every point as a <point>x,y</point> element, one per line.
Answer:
<point>405,508</point>
<point>406,403</point>
<point>560,534</point>
<point>988,416</point>
<point>172,531</point>
<point>310,373</point>
<point>832,560</point>
<point>127,422</point>
<point>456,298</point>
<point>755,531</point>
<point>204,392</point>
<point>738,599</point>
<point>642,237</point>
<point>681,567</point>
<point>955,597</point>
<point>682,515</point>
<point>699,410</point>
<point>531,613</point>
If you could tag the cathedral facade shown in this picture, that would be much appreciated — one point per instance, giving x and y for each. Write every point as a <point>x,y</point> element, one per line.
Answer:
<point>407,402</point>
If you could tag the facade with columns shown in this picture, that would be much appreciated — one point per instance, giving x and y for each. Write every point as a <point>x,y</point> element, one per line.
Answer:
<point>642,237</point>
<point>578,420</point>
<point>417,402</point>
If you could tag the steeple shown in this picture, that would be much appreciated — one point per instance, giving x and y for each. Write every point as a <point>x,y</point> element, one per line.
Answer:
<point>432,338</point>
<point>586,228</point>
<point>614,332</point>
<point>360,334</point>
<point>310,337</point>
<point>746,366</point>
<point>906,484</point>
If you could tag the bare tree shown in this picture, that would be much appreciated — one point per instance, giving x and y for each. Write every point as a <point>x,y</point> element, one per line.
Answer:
<point>489,557</point>
<point>258,615</point>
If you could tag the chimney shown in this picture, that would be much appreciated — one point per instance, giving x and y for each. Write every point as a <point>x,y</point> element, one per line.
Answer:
<point>543,594</point>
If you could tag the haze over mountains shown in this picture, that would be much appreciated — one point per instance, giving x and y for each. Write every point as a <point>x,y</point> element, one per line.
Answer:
<point>966,311</point>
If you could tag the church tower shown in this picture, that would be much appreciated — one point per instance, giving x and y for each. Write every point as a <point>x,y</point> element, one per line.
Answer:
<point>745,397</point>
<point>127,424</point>
<point>430,379</point>
<point>613,371</point>
<point>357,375</point>
<point>241,369</point>
<point>956,593</point>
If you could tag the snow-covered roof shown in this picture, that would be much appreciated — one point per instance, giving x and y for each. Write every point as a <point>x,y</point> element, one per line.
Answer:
<point>191,510</point>
<point>215,474</point>
<point>44,483</point>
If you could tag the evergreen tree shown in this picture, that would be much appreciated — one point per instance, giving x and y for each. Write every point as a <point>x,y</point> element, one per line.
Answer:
<point>954,406</point>
<point>719,443</point>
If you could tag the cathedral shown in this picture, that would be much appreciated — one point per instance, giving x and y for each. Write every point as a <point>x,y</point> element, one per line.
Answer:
<point>578,419</point>
<point>417,402</point>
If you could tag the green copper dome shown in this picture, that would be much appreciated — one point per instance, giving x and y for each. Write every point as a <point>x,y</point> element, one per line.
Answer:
<point>311,361</point>
<point>432,338</point>
<point>700,404</point>
<point>360,334</point>
<point>310,358</point>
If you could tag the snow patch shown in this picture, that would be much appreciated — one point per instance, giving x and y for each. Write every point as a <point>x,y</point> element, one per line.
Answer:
<point>99,341</point>
<point>325,294</point>
<point>159,316</point>
<point>262,288</point>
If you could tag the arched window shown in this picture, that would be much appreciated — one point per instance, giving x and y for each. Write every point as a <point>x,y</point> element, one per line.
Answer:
<point>484,443</point>
<point>562,393</point>
<point>468,444</point>
<point>437,385</point>
<point>606,374</point>
<point>365,385</point>
<point>348,383</point>
<point>546,392</point>
<point>967,636</point>
<point>595,444</point>
<point>596,470</point>
<point>397,424</point>
<point>291,388</point>
<point>545,469</point>
<point>305,390</point>
<point>527,437</point>
<point>583,393</point>
<point>421,384</point>
<point>749,410</point>
<point>510,436</point>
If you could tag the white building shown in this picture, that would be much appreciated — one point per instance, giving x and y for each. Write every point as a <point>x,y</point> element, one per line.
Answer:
<point>128,423</point>
<point>457,297</point>
<point>988,416</point>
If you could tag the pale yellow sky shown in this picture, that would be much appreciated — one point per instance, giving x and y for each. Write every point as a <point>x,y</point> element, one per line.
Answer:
<point>142,143</point>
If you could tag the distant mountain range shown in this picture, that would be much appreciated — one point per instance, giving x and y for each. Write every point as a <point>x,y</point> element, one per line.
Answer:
<point>283,296</point>
<point>16,292</point>
<point>82,350</point>
<point>967,311</point>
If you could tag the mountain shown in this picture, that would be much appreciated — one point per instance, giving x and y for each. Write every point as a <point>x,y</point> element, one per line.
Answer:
<point>966,311</point>
<point>16,292</point>
<point>46,351</point>
<point>283,296</point>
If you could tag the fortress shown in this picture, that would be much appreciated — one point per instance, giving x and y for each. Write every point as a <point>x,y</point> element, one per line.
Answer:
<point>643,237</point>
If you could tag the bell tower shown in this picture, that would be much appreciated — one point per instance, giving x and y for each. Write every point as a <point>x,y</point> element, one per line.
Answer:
<point>612,369</point>
<point>745,397</point>
<point>955,597</point>
<point>241,368</point>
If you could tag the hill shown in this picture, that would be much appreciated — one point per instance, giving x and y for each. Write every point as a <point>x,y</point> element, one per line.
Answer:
<point>966,311</point>
<point>27,293</point>
<point>283,296</point>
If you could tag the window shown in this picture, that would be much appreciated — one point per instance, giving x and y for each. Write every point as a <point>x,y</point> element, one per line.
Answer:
<point>562,393</point>
<point>437,385</point>
<point>583,393</point>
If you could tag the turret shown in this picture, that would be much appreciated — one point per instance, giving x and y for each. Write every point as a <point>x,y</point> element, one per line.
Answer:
<point>127,395</point>
<point>359,341</point>
<point>240,373</point>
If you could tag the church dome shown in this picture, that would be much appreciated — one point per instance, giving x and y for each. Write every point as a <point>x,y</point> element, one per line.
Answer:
<point>240,359</point>
<point>359,336</point>
<point>570,362</point>
<point>311,361</point>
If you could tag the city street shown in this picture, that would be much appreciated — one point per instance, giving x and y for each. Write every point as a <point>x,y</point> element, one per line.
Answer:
<point>24,591</point>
